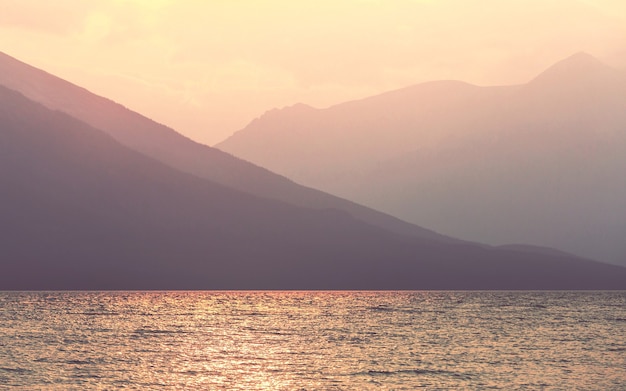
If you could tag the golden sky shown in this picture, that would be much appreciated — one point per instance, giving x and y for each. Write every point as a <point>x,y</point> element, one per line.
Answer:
<point>208,67</point>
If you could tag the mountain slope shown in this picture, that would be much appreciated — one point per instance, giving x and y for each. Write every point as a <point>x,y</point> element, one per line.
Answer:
<point>80,211</point>
<point>164,144</point>
<point>539,163</point>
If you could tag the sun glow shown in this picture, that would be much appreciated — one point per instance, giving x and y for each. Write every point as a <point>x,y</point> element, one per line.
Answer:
<point>208,68</point>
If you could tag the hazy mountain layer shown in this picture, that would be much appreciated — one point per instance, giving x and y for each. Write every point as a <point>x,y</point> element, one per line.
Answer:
<point>80,211</point>
<point>539,163</point>
<point>164,144</point>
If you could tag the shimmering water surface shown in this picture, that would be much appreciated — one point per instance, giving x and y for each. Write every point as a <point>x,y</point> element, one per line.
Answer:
<point>312,340</point>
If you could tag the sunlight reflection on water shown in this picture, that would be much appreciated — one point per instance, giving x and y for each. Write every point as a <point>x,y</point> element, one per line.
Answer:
<point>312,340</point>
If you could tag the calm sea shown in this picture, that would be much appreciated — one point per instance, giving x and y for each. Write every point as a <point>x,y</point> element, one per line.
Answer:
<point>312,340</point>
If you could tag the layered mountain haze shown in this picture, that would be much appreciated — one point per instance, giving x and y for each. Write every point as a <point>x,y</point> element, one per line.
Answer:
<point>540,163</point>
<point>81,211</point>
<point>166,145</point>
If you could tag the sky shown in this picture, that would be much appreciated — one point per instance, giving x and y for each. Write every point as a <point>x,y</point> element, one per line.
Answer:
<point>208,67</point>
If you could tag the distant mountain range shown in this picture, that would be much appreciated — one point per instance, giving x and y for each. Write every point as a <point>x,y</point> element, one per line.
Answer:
<point>175,150</point>
<point>80,209</point>
<point>539,163</point>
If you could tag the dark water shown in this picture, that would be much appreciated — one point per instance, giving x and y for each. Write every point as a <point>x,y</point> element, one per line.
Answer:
<point>313,340</point>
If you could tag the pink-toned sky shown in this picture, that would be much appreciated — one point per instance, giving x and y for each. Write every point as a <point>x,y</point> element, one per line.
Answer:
<point>207,67</point>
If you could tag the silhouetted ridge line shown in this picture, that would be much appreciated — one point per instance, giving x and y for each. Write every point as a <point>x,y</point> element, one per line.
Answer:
<point>81,211</point>
<point>538,163</point>
<point>164,144</point>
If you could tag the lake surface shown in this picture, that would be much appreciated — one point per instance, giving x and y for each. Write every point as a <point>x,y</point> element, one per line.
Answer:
<point>312,340</point>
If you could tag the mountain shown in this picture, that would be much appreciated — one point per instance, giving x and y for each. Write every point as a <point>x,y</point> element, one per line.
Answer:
<point>539,163</point>
<point>166,145</point>
<point>78,210</point>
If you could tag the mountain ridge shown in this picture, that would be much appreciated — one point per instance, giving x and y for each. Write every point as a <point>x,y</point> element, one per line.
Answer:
<point>530,163</point>
<point>82,211</point>
<point>166,145</point>
<point>578,65</point>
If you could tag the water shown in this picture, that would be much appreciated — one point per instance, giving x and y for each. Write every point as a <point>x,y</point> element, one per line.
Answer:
<point>312,340</point>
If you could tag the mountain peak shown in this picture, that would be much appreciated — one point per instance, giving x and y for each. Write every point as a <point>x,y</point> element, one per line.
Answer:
<point>293,111</point>
<point>300,106</point>
<point>577,67</point>
<point>581,59</point>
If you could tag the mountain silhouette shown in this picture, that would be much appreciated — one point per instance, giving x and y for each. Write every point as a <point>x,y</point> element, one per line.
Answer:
<point>539,163</point>
<point>79,210</point>
<point>166,145</point>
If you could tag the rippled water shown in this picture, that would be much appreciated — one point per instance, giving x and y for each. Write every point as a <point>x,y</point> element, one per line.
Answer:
<point>312,340</point>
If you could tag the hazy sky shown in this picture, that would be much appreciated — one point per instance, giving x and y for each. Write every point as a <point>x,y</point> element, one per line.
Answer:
<point>208,67</point>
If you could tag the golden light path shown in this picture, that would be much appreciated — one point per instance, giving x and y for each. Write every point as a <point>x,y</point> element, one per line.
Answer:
<point>312,340</point>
